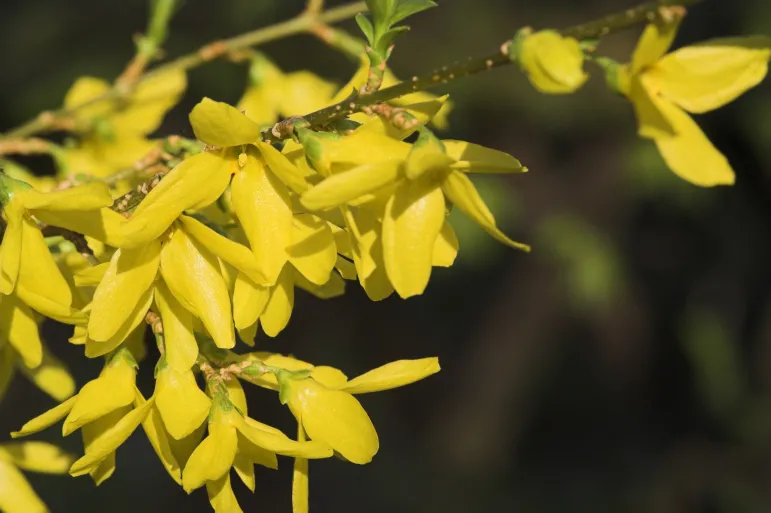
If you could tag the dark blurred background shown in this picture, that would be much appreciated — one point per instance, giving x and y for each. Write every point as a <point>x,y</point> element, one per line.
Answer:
<point>624,365</point>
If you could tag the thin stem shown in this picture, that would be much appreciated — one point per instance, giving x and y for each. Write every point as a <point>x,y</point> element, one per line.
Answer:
<point>296,25</point>
<point>320,119</point>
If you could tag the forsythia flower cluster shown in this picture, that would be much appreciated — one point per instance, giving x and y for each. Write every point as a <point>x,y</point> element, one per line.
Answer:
<point>213,254</point>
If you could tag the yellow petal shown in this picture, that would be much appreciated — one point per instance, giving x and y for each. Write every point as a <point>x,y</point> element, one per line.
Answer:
<point>36,457</point>
<point>345,267</point>
<point>103,224</point>
<point>313,250</point>
<point>159,439</point>
<point>179,340</point>
<point>91,276</point>
<point>263,206</point>
<point>221,496</point>
<point>649,108</point>
<point>251,455</point>
<point>304,92</point>
<point>83,91</point>
<point>19,327</point>
<point>10,251</point>
<point>109,440</point>
<point>135,318</point>
<point>128,278</point>
<point>220,124</point>
<point>89,196</point>
<point>706,76</point>
<point>237,396</point>
<point>231,252</point>
<point>149,102</point>
<point>445,247</point>
<point>413,220</point>
<point>335,418</point>
<point>273,440</point>
<point>213,457</point>
<point>113,389</point>
<point>461,191</point>
<point>393,375</point>
<point>330,377</point>
<point>46,419</point>
<point>277,312</point>
<point>343,187</point>
<point>283,168</point>
<point>473,158</point>
<point>333,288</point>
<point>244,468</point>
<point>51,376</point>
<point>690,155</point>
<point>196,182</point>
<point>654,42</point>
<point>300,485</point>
<point>249,301</point>
<point>192,273</point>
<point>7,368</point>
<point>16,495</point>
<point>367,248</point>
<point>38,272</point>
<point>183,406</point>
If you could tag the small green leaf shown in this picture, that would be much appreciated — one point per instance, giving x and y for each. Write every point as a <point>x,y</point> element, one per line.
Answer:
<point>388,38</point>
<point>409,7</point>
<point>382,11</point>
<point>366,27</point>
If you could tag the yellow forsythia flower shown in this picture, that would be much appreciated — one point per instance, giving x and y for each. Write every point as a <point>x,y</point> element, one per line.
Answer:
<point>113,133</point>
<point>699,78</point>
<point>27,268</point>
<point>16,495</point>
<point>553,63</point>
<point>186,257</point>
<point>326,411</point>
<point>411,188</point>
<point>104,410</point>
<point>235,440</point>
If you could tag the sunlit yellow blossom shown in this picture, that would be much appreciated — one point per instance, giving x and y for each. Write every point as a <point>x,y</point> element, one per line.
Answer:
<point>16,495</point>
<point>103,409</point>
<point>694,79</point>
<point>186,258</point>
<point>553,63</point>
<point>413,191</point>
<point>113,133</point>
<point>232,436</point>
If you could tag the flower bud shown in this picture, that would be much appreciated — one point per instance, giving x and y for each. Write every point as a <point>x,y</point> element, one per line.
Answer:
<point>553,63</point>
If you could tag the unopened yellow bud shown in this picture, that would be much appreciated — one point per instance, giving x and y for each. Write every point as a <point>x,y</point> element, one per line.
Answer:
<point>553,63</point>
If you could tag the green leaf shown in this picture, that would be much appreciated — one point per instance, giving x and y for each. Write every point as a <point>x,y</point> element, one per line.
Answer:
<point>409,7</point>
<point>366,27</point>
<point>382,11</point>
<point>387,39</point>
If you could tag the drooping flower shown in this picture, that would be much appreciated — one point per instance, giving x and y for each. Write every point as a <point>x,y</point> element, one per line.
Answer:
<point>181,270</point>
<point>321,400</point>
<point>408,194</point>
<point>664,88</point>
<point>106,411</point>
<point>235,440</point>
